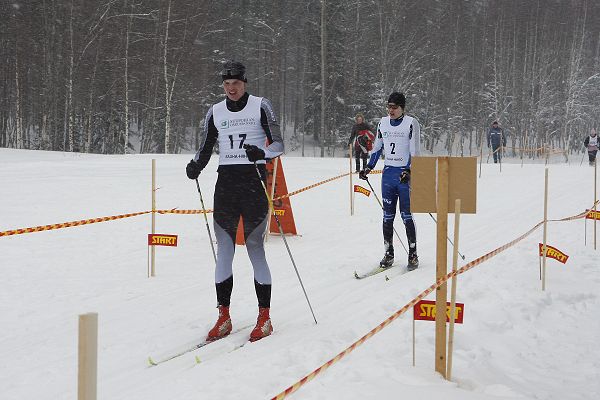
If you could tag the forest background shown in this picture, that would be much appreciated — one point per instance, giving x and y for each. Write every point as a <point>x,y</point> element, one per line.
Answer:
<point>133,76</point>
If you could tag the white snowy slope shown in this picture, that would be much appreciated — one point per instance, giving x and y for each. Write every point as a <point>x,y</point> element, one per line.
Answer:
<point>517,341</point>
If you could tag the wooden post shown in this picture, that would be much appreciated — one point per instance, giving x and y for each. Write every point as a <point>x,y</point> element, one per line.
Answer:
<point>414,340</point>
<point>545,230</point>
<point>453,290</point>
<point>584,232</point>
<point>441,265</point>
<point>273,181</point>
<point>351,186</point>
<point>88,357</point>
<point>523,147</point>
<point>481,153</point>
<point>595,196</point>
<point>436,181</point>
<point>152,250</point>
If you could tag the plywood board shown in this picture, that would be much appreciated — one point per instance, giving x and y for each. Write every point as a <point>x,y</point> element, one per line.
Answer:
<point>423,184</point>
<point>462,184</point>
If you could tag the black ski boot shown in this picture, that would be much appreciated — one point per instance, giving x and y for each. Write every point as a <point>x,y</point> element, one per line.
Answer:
<point>388,257</point>
<point>413,261</point>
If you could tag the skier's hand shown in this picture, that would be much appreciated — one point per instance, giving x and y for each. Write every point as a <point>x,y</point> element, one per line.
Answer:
<point>254,153</point>
<point>193,169</point>
<point>363,174</point>
<point>405,176</point>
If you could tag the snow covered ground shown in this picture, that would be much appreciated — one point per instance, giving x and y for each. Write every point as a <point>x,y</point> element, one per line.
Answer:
<point>517,341</point>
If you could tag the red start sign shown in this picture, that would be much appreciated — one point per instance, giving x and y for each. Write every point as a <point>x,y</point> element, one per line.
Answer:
<point>592,214</point>
<point>553,252</point>
<point>425,310</point>
<point>160,239</point>
<point>360,189</point>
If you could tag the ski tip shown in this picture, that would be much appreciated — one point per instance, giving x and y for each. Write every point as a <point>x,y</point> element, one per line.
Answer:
<point>356,275</point>
<point>386,278</point>
<point>198,360</point>
<point>152,362</point>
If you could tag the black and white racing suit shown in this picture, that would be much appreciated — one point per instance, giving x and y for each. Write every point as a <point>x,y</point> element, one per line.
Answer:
<point>238,191</point>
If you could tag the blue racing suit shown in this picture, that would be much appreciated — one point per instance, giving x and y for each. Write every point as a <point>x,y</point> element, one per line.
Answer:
<point>399,140</point>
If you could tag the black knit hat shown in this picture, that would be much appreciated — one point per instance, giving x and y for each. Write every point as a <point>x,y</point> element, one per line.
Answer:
<point>233,70</point>
<point>398,99</point>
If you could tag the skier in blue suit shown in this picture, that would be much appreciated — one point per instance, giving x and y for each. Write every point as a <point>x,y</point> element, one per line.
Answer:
<point>398,137</point>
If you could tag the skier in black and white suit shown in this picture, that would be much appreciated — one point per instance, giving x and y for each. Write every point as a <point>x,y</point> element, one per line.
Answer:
<point>247,131</point>
<point>591,144</point>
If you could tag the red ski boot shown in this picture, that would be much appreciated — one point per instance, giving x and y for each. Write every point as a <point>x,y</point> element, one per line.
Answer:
<point>263,326</point>
<point>222,327</point>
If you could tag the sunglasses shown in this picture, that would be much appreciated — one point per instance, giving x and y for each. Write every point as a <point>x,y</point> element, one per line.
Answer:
<point>393,106</point>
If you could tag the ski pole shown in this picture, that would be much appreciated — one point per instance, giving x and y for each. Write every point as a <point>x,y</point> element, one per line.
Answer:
<point>212,246</point>
<point>450,241</point>
<point>272,209</point>
<point>381,205</point>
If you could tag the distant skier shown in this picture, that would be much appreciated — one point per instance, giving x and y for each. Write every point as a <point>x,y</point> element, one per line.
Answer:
<point>495,141</point>
<point>247,131</point>
<point>591,143</point>
<point>362,136</point>
<point>398,137</point>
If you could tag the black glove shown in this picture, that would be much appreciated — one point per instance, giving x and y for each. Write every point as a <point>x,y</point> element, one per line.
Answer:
<point>405,176</point>
<point>363,174</point>
<point>193,169</point>
<point>254,153</point>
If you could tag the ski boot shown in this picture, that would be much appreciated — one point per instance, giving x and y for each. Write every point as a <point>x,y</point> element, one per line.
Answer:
<point>388,258</point>
<point>222,327</point>
<point>263,326</point>
<point>413,261</point>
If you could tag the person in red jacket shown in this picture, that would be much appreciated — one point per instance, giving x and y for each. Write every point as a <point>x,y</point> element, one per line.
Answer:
<point>363,137</point>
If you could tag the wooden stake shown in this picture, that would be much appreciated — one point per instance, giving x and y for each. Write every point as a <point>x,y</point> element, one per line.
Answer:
<point>414,341</point>
<point>595,196</point>
<point>481,153</point>
<point>453,289</point>
<point>523,147</point>
<point>88,357</point>
<point>273,181</point>
<point>351,186</point>
<point>441,265</point>
<point>585,231</point>
<point>152,252</point>
<point>545,230</point>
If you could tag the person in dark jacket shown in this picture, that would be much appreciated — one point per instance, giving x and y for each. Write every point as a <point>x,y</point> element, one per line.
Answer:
<point>363,137</point>
<point>496,140</point>
<point>591,144</point>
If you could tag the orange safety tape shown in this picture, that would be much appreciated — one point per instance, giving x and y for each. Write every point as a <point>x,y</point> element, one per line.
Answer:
<point>69,224</point>
<point>410,304</point>
<point>93,221</point>
<point>175,211</point>
<point>375,171</point>
<point>172,211</point>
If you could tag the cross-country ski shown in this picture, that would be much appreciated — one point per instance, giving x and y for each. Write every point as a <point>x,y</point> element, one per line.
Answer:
<point>154,362</point>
